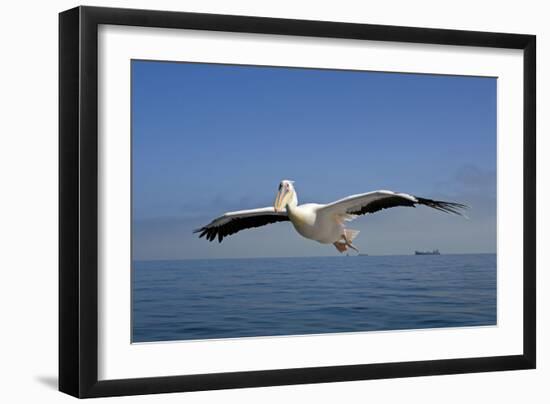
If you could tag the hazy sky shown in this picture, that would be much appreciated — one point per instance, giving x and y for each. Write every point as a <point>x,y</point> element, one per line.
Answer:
<point>212,138</point>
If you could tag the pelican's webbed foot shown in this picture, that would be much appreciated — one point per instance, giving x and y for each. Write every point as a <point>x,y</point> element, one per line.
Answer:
<point>345,242</point>
<point>340,246</point>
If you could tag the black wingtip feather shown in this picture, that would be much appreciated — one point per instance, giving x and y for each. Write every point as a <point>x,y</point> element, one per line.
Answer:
<point>447,207</point>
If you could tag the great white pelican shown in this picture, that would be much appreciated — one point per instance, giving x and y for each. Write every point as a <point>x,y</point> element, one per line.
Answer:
<point>323,223</point>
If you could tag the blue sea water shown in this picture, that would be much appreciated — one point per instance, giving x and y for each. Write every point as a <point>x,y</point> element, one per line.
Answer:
<point>227,298</point>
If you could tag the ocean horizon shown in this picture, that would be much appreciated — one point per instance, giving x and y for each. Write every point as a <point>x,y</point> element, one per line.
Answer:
<point>352,254</point>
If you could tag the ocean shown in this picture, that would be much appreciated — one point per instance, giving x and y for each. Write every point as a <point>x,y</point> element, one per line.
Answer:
<point>229,298</point>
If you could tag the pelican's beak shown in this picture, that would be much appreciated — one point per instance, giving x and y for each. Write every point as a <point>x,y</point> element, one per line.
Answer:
<point>282,199</point>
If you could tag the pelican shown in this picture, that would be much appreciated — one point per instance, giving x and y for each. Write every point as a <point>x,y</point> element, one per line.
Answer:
<point>326,223</point>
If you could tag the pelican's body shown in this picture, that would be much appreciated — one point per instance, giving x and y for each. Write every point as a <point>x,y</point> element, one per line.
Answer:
<point>322,223</point>
<point>309,224</point>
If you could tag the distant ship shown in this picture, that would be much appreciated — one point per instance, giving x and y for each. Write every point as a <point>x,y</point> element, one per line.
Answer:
<point>434,252</point>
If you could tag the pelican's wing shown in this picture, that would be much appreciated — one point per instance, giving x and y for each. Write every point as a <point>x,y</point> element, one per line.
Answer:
<point>371,202</point>
<point>232,222</point>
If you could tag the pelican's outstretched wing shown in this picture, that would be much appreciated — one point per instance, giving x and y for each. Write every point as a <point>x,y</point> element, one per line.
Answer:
<point>371,202</point>
<point>232,222</point>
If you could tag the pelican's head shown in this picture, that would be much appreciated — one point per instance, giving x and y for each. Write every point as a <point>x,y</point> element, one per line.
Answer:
<point>285,196</point>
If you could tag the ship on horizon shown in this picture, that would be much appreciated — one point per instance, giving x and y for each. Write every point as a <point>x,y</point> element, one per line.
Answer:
<point>433,252</point>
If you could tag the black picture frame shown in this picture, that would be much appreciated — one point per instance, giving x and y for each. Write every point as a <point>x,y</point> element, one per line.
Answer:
<point>78,201</point>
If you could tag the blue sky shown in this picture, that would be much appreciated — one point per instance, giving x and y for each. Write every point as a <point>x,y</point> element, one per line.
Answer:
<point>211,138</point>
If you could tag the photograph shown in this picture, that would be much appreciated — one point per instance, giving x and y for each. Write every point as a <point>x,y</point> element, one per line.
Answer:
<point>273,201</point>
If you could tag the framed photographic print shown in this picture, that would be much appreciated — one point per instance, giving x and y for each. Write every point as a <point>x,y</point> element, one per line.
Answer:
<point>250,201</point>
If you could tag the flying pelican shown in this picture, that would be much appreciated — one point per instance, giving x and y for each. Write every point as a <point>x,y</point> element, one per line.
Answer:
<point>322,223</point>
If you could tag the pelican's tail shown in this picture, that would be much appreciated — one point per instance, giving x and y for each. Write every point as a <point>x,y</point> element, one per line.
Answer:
<point>350,234</point>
